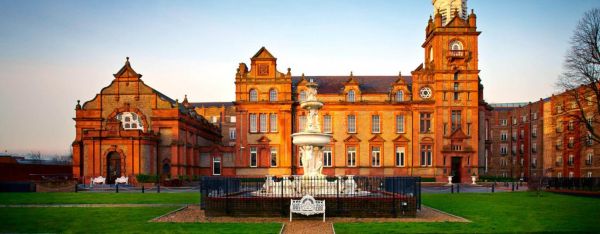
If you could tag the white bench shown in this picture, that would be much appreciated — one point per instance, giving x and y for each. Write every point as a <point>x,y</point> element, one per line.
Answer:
<point>122,180</point>
<point>307,206</point>
<point>98,180</point>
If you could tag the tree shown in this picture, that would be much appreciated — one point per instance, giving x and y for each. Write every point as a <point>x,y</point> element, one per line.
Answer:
<point>581,76</point>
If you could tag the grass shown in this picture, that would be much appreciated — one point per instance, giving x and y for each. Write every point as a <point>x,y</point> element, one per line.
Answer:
<point>498,212</point>
<point>112,220</point>
<point>99,198</point>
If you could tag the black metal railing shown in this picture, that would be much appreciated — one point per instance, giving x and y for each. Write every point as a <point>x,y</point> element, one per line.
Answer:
<point>574,183</point>
<point>346,196</point>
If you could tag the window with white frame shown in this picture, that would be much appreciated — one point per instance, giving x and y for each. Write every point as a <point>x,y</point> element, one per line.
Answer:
<point>589,174</point>
<point>571,160</point>
<point>376,156</point>
<point>217,166</point>
<point>399,96</point>
<point>559,174</point>
<point>214,119</point>
<point>350,97</point>
<point>399,123</point>
<point>273,95</point>
<point>253,157</point>
<point>327,128</point>
<point>589,140</point>
<point>534,131</point>
<point>504,135</point>
<point>263,122</point>
<point>301,123</point>
<point>232,119</point>
<point>534,115</point>
<point>571,174</point>
<point>327,157</point>
<point>375,124</point>
<point>534,147</point>
<point>232,133</point>
<point>273,122</point>
<point>351,124</point>
<point>588,161</point>
<point>273,157</point>
<point>503,122</point>
<point>130,121</point>
<point>400,154</point>
<point>426,155</point>
<point>351,156</point>
<point>253,95</point>
<point>503,150</point>
<point>253,123</point>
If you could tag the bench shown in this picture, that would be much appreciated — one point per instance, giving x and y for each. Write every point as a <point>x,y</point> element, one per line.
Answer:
<point>307,206</point>
<point>98,180</point>
<point>122,180</point>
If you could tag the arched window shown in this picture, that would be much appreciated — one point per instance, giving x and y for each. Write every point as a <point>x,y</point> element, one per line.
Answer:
<point>399,96</point>
<point>302,95</point>
<point>253,95</point>
<point>350,96</point>
<point>273,95</point>
<point>130,121</point>
<point>456,45</point>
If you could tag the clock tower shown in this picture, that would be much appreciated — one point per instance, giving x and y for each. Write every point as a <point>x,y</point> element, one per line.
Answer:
<point>447,94</point>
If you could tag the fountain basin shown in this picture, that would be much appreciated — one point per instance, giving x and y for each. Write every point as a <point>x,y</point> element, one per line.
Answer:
<point>309,138</point>
<point>311,104</point>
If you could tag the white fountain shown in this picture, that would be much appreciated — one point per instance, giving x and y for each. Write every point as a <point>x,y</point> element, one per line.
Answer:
<point>311,141</point>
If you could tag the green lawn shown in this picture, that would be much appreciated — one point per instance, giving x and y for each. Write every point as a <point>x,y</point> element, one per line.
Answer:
<point>99,198</point>
<point>498,212</point>
<point>112,220</point>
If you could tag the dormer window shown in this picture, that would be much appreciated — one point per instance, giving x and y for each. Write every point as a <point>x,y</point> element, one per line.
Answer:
<point>350,97</point>
<point>130,121</point>
<point>399,96</point>
<point>273,95</point>
<point>302,95</point>
<point>253,95</point>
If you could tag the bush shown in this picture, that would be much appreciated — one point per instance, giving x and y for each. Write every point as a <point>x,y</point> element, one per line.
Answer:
<point>484,178</point>
<point>143,178</point>
<point>427,179</point>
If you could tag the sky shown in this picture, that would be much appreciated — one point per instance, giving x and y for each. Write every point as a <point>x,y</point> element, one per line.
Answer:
<point>53,53</point>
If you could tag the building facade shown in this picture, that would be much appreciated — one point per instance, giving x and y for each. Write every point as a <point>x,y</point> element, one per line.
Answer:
<point>425,124</point>
<point>130,128</point>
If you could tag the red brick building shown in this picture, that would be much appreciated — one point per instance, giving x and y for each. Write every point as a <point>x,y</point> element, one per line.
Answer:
<point>129,128</point>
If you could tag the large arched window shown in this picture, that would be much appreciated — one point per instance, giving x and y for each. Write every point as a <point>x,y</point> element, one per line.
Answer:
<point>350,97</point>
<point>130,121</point>
<point>399,96</point>
<point>302,95</point>
<point>253,95</point>
<point>456,45</point>
<point>273,95</point>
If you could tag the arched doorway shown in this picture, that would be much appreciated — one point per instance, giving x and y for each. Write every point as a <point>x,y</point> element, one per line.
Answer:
<point>113,167</point>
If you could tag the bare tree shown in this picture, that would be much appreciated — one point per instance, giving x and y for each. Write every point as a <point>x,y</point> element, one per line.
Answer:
<point>581,78</point>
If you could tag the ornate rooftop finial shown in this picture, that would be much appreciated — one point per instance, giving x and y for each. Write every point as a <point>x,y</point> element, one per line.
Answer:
<point>78,106</point>
<point>127,58</point>
<point>351,74</point>
<point>303,75</point>
<point>400,73</point>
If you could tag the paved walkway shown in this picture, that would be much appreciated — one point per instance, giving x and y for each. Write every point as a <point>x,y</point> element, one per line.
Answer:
<point>88,205</point>
<point>308,227</point>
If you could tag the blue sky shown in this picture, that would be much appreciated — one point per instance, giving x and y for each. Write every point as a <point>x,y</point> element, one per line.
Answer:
<point>56,52</point>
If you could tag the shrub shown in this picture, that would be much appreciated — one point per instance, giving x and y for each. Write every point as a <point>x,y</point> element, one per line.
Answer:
<point>427,179</point>
<point>143,178</point>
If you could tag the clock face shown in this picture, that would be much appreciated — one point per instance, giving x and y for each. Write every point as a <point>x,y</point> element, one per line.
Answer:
<point>425,92</point>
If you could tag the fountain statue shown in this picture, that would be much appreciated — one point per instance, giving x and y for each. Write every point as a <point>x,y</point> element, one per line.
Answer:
<point>311,141</point>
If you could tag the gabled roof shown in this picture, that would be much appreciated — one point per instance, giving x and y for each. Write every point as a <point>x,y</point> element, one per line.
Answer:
<point>263,53</point>
<point>127,72</point>
<point>458,135</point>
<point>367,84</point>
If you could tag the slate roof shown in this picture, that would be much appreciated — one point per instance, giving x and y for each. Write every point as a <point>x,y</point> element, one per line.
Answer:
<point>209,104</point>
<point>367,84</point>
